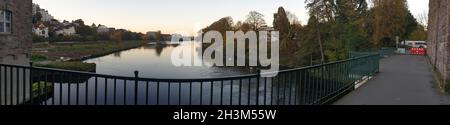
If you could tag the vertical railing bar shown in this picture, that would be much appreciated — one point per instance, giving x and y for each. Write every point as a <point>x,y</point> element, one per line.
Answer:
<point>157,93</point>
<point>290,88</point>
<point>5,85</point>
<point>190,93</point>
<point>78,89</point>
<point>1,85</point>
<point>317,97</point>
<point>60,88</point>
<point>17,86</point>
<point>39,88</point>
<point>53,87</point>
<point>240,92</point>
<point>179,93</point>
<point>212,92</point>
<point>4,88</point>
<point>283,89</point>
<point>69,84</point>
<point>136,76</point>
<point>201,93</point>
<point>310,86</point>
<point>46,81</point>
<point>296,83</point>
<point>96,90</point>
<point>115,91</point>
<point>24,81</point>
<point>271,91</point>
<point>265,90</point>
<point>257,86</point>
<point>30,94</point>
<point>221,92</point>
<point>124,92</point>
<point>278,90</point>
<point>106,91</point>
<point>11,98</point>
<point>249,91</point>
<point>86,92</point>
<point>146,93</point>
<point>168,93</point>
<point>231,92</point>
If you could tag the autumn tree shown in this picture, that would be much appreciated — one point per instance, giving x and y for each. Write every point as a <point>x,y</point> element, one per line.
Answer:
<point>388,21</point>
<point>419,34</point>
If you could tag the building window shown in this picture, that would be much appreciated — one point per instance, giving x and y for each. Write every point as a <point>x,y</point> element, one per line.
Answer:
<point>5,21</point>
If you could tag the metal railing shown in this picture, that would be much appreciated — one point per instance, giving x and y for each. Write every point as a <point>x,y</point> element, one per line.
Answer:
<point>313,85</point>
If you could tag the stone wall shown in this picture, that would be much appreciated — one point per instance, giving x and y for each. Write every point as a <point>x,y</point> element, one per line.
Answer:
<point>18,43</point>
<point>438,37</point>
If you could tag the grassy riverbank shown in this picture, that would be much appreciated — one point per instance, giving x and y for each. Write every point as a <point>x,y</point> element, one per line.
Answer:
<point>69,55</point>
<point>70,65</point>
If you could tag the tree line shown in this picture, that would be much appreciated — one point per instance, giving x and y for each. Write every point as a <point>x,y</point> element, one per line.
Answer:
<point>334,28</point>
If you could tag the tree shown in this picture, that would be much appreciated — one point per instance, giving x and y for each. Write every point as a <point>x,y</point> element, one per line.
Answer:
<point>339,26</point>
<point>37,17</point>
<point>322,10</point>
<point>293,19</point>
<point>256,20</point>
<point>388,21</point>
<point>419,34</point>
<point>281,23</point>
<point>116,36</point>
<point>79,21</point>
<point>422,19</point>
<point>222,25</point>
<point>411,25</point>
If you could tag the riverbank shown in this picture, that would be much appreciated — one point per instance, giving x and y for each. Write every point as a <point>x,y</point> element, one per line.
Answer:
<point>69,55</point>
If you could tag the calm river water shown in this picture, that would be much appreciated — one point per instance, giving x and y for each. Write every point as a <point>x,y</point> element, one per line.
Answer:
<point>154,61</point>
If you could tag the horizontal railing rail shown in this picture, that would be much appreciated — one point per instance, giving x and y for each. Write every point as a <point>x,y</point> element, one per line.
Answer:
<point>312,85</point>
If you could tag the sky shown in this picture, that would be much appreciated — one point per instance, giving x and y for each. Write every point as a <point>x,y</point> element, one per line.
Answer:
<point>176,16</point>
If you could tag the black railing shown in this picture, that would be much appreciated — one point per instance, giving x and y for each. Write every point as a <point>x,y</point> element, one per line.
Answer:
<point>320,84</point>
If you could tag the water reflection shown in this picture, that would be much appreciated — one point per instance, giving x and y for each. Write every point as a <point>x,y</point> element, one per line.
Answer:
<point>154,61</point>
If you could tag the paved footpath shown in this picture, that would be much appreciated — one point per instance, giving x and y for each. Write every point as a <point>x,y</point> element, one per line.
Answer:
<point>403,80</point>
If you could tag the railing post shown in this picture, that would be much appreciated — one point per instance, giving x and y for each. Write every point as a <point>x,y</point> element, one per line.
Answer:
<point>31,84</point>
<point>136,76</point>
<point>258,83</point>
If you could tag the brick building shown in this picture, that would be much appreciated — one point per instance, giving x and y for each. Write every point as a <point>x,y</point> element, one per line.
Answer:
<point>15,31</point>
<point>439,37</point>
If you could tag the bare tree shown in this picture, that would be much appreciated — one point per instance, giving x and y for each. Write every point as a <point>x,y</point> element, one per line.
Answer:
<point>422,18</point>
<point>255,19</point>
<point>293,19</point>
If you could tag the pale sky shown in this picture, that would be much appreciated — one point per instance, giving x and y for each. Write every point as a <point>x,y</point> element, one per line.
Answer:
<point>175,16</point>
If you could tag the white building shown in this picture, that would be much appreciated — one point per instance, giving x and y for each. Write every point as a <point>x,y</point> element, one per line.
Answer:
<point>103,29</point>
<point>41,30</point>
<point>68,31</point>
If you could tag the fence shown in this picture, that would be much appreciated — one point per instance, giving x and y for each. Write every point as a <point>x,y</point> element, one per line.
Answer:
<point>313,85</point>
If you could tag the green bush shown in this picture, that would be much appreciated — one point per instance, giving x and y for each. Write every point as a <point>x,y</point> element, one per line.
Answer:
<point>38,58</point>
